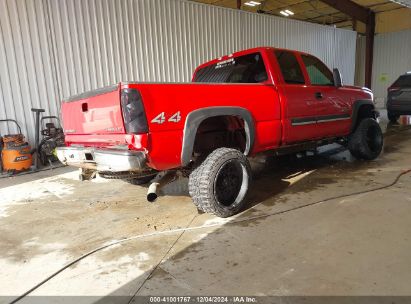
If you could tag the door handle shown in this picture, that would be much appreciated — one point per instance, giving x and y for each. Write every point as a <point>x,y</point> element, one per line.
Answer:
<point>319,95</point>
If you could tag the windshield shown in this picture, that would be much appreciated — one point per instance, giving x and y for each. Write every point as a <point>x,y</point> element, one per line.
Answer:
<point>243,69</point>
<point>403,81</point>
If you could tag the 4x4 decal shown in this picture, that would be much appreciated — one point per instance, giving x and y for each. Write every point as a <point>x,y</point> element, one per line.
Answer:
<point>161,118</point>
<point>175,118</point>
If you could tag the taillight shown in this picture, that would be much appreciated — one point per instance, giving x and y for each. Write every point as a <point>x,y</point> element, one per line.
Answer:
<point>134,116</point>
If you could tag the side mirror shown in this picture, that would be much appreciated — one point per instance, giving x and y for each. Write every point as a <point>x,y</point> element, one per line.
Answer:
<point>338,82</point>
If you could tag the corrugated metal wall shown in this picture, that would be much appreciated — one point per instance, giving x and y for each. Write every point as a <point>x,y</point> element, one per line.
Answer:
<point>26,63</point>
<point>392,57</point>
<point>51,49</point>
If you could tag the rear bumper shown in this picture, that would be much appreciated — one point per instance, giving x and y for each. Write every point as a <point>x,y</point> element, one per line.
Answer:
<point>399,106</point>
<point>102,159</point>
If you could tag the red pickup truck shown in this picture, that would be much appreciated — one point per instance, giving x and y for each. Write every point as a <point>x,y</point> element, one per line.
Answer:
<point>261,100</point>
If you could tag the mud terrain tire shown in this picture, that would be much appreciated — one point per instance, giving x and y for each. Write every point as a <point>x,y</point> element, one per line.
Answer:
<point>367,140</point>
<point>220,184</point>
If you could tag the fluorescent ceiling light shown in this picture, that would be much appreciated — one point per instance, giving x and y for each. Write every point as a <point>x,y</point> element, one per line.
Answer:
<point>252,3</point>
<point>284,13</point>
<point>406,3</point>
<point>289,12</point>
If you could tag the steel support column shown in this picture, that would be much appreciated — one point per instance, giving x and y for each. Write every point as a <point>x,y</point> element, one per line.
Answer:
<point>369,49</point>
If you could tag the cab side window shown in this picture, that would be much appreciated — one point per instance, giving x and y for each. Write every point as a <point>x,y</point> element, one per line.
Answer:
<point>290,68</point>
<point>317,71</point>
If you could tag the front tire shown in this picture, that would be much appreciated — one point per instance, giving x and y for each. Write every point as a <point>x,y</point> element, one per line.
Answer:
<point>220,184</point>
<point>367,140</point>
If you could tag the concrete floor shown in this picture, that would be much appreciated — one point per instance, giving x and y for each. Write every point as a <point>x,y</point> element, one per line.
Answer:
<point>357,245</point>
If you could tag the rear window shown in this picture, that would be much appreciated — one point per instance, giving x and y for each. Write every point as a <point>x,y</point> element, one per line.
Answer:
<point>243,69</point>
<point>403,81</point>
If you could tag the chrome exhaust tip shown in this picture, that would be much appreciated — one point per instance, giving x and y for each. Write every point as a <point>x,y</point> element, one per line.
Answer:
<point>157,183</point>
<point>152,192</point>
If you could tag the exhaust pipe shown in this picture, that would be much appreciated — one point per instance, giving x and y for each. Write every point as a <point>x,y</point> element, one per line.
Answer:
<point>159,181</point>
<point>152,192</point>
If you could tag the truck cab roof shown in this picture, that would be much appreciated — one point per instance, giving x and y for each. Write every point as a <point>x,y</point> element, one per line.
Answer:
<point>246,52</point>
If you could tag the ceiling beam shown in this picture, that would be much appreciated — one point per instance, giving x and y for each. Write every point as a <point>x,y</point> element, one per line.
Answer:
<point>350,8</point>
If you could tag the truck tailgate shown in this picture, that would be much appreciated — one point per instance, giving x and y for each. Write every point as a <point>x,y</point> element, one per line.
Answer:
<point>96,112</point>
